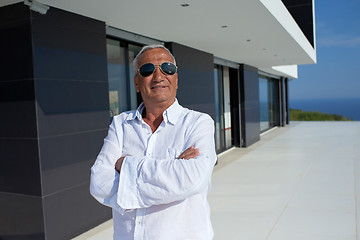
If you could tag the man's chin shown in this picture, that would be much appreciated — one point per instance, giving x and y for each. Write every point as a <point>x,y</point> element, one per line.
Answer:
<point>162,100</point>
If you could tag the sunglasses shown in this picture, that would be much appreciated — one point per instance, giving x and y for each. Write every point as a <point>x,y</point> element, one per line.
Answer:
<point>166,68</point>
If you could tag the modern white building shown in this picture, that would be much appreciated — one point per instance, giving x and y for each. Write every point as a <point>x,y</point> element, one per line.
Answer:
<point>66,70</point>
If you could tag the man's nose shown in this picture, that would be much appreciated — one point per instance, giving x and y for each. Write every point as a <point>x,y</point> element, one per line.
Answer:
<point>158,74</point>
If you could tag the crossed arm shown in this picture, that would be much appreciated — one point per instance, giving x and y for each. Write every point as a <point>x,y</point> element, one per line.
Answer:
<point>189,153</point>
<point>144,181</point>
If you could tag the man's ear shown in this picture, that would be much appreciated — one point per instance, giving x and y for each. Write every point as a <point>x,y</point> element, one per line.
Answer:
<point>136,84</point>
<point>177,86</point>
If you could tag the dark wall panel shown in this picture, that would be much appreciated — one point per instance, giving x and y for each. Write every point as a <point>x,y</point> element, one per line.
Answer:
<point>282,104</point>
<point>196,78</point>
<point>17,106</point>
<point>277,99</point>
<point>68,97</point>
<point>235,106</point>
<point>15,43</point>
<point>21,217</point>
<point>19,171</point>
<point>69,32</point>
<point>71,212</point>
<point>72,99</point>
<point>286,101</point>
<point>70,156</point>
<point>250,106</point>
<point>17,96</point>
<point>71,73</point>
<point>56,63</point>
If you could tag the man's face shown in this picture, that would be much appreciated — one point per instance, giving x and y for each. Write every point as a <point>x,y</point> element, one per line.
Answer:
<point>158,88</point>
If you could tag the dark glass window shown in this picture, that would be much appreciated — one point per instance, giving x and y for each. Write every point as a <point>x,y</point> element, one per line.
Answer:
<point>223,137</point>
<point>268,102</point>
<point>135,98</point>
<point>264,104</point>
<point>122,93</point>
<point>117,77</point>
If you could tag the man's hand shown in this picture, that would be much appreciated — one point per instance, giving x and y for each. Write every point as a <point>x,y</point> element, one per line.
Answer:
<point>118,164</point>
<point>189,153</point>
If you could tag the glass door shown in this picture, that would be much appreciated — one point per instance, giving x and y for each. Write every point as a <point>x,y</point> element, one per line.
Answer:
<point>122,92</point>
<point>223,136</point>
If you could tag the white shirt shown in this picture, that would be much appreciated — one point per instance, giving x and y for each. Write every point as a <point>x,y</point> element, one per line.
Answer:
<point>157,196</point>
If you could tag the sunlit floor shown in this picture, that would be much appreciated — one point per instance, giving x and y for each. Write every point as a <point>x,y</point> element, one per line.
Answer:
<point>300,182</point>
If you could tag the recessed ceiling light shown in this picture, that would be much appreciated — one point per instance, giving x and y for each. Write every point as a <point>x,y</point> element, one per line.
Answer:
<point>185,5</point>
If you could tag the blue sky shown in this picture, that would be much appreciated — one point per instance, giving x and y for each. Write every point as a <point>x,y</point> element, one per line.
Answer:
<point>337,72</point>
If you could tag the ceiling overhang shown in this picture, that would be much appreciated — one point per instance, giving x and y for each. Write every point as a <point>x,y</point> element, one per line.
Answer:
<point>260,33</point>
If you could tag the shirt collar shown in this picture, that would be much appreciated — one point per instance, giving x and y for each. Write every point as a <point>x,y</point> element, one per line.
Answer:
<point>136,114</point>
<point>171,114</point>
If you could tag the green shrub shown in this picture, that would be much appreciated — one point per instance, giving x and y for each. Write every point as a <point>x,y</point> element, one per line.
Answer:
<point>299,115</point>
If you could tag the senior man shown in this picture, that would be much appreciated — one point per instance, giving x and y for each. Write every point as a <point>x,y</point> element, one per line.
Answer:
<point>154,169</point>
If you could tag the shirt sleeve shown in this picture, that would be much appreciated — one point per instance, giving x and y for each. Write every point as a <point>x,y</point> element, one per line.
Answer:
<point>104,179</point>
<point>145,181</point>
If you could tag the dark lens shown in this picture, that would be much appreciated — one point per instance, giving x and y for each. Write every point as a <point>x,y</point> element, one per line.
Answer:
<point>147,69</point>
<point>168,68</point>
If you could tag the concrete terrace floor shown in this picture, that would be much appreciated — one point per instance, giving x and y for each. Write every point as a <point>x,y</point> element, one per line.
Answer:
<point>300,182</point>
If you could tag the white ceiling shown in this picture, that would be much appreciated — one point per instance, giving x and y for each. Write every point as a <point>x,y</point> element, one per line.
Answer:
<point>260,33</point>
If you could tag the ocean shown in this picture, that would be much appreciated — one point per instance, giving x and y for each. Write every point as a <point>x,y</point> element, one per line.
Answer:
<point>347,107</point>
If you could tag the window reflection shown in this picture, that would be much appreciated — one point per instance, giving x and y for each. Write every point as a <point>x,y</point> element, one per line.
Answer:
<point>268,102</point>
<point>223,137</point>
<point>264,104</point>
<point>117,77</point>
<point>135,98</point>
<point>122,92</point>
<point>218,103</point>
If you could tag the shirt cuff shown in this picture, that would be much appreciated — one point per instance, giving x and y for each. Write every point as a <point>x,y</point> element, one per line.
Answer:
<point>128,194</point>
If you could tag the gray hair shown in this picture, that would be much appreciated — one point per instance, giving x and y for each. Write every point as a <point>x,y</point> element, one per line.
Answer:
<point>146,48</point>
